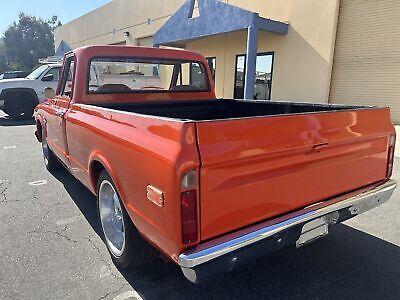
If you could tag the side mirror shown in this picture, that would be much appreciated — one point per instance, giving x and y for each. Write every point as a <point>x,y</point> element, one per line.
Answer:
<point>48,77</point>
<point>49,93</point>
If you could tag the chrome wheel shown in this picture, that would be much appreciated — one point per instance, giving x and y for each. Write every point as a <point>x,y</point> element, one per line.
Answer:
<point>111,218</point>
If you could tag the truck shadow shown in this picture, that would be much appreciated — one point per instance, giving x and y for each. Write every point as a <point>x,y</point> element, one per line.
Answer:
<point>6,121</point>
<point>348,264</point>
<point>83,198</point>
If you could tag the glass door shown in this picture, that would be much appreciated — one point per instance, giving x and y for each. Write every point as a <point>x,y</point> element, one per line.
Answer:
<point>238,92</point>
<point>263,81</point>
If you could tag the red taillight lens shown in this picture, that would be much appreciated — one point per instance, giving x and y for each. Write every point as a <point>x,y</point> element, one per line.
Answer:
<point>189,216</point>
<point>392,143</point>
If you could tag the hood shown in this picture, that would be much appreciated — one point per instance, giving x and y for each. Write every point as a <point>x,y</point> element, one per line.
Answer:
<point>13,79</point>
<point>16,83</point>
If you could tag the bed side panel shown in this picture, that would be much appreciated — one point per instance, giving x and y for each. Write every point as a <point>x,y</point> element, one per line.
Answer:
<point>138,150</point>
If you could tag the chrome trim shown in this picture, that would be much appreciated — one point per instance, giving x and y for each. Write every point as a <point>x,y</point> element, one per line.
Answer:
<point>356,205</point>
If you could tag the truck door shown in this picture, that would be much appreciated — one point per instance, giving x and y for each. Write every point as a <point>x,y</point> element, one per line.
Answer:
<point>56,130</point>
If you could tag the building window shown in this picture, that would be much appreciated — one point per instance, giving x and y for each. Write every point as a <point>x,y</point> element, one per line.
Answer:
<point>263,84</point>
<point>212,63</point>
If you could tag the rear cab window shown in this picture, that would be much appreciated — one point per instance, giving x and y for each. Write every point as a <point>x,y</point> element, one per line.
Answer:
<point>141,75</point>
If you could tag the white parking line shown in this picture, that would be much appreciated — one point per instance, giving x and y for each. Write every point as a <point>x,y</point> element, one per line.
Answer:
<point>38,182</point>
<point>105,272</point>
<point>131,295</point>
<point>25,160</point>
<point>9,147</point>
<point>67,221</point>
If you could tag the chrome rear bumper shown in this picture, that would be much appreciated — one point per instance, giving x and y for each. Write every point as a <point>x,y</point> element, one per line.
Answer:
<point>224,253</point>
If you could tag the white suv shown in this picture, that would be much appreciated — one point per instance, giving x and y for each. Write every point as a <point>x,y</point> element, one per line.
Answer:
<point>19,96</point>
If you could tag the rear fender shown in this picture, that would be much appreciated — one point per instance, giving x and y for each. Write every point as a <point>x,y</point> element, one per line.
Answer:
<point>99,157</point>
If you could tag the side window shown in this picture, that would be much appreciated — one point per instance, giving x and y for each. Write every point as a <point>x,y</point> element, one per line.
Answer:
<point>55,72</point>
<point>67,77</point>
<point>196,74</point>
<point>192,76</point>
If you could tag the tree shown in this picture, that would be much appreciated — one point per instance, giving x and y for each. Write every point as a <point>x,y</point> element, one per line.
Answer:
<point>54,23</point>
<point>3,61</point>
<point>27,40</point>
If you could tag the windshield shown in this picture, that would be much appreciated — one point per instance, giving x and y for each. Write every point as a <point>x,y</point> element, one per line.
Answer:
<point>37,72</point>
<point>136,75</point>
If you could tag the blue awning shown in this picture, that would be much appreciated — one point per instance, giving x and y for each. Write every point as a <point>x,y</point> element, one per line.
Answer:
<point>62,48</point>
<point>215,17</point>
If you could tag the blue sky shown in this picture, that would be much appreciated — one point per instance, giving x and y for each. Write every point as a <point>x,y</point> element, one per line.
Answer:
<point>66,10</point>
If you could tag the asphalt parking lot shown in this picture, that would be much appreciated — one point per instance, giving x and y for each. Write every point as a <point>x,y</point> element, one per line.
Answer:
<point>51,246</point>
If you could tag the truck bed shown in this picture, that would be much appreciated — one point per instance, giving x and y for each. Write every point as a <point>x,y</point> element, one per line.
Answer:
<point>219,109</point>
<point>260,159</point>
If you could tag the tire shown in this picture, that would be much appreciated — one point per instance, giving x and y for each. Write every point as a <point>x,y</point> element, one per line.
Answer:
<point>19,105</point>
<point>124,243</point>
<point>50,160</point>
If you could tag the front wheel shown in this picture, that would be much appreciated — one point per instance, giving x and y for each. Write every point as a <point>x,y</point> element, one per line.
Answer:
<point>50,160</point>
<point>124,243</point>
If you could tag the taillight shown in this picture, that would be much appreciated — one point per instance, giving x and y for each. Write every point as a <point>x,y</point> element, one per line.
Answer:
<point>392,143</point>
<point>189,207</point>
<point>189,216</point>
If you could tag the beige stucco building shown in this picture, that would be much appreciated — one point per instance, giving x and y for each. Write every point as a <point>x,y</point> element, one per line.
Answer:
<point>338,51</point>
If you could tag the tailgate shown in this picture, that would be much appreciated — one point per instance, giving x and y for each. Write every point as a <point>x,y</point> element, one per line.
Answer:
<point>253,169</point>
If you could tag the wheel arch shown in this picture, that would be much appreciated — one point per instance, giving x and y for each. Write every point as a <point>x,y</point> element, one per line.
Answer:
<point>96,167</point>
<point>97,163</point>
<point>40,128</point>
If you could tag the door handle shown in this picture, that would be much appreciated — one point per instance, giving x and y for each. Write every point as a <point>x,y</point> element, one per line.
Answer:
<point>317,148</point>
<point>320,146</point>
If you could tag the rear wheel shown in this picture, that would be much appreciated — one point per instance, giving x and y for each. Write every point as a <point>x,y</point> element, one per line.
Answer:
<point>50,160</point>
<point>124,243</point>
<point>19,105</point>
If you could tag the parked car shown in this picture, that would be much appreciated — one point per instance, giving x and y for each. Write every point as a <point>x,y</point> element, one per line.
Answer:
<point>19,96</point>
<point>14,74</point>
<point>209,183</point>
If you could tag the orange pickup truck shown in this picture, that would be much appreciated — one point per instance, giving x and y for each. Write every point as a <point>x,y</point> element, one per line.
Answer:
<point>209,183</point>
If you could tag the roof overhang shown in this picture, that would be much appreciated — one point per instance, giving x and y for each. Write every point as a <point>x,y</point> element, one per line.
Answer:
<point>215,17</point>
